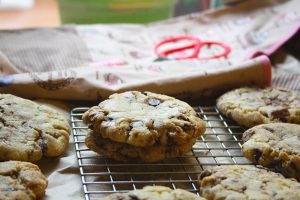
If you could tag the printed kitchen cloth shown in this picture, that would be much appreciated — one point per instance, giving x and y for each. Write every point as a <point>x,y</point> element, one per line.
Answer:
<point>90,62</point>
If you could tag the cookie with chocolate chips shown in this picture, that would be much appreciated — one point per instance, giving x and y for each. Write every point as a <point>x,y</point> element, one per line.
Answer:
<point>133,123</point>
<point>246,182</point>
<point>275,145</point>
<point>154,193</point>
<point>29,131</point>
<point>21,180</point>
<point>254,106</point>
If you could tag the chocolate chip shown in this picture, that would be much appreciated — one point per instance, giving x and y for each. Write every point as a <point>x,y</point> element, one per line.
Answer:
<point>281,114</point>
<point>264,114</point>
<point>186,128</point>
<point>244,188</point>
<point>204,174</point>
<point>153,102</point>
<point>257,154</point>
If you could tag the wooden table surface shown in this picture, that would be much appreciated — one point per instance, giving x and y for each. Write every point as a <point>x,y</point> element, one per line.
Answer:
<point>45,13</point>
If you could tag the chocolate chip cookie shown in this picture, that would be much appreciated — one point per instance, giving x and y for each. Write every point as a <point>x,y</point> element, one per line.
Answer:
<point>145,126</point>
<point>253,106</point>
<point>29,131</point>
<point>275,145</point>
<point>155,193</point>
<point>246,182</point>
<point>21,180</point>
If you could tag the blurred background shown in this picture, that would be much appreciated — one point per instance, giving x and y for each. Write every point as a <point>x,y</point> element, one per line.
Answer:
<point>49,13</point>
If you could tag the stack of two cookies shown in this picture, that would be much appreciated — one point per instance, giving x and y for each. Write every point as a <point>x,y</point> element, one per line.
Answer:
<point>28,131</point>
<point>142,126</point>
<point>151,127</point>
<point>148,127</point>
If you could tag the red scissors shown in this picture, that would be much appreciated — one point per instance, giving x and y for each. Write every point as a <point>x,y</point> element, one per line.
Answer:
<point>196,45</point>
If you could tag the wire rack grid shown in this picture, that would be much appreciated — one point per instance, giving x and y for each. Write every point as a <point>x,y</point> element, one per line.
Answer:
<point>100,176</point>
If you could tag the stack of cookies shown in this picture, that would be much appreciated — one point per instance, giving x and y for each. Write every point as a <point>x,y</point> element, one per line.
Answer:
<point>28,131</point>
<point>274,115</point>
<point>142,126</point>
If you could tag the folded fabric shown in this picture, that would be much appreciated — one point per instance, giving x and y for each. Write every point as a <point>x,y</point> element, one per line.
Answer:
<point>89,62</point>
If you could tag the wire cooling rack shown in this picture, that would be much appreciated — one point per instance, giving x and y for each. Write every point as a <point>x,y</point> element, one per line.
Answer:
<point>100,176</point>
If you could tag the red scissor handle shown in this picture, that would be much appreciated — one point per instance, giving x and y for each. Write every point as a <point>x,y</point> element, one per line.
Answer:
<point>195,45</point>
<point>226,48</point>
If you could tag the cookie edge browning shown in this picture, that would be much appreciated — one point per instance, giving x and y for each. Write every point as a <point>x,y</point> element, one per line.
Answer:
<point>287,163</point>
<point>29,175</point>
<point>145,154</point>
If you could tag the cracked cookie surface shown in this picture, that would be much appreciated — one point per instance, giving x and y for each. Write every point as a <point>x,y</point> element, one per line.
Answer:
<point>154,193</point>
<point>246,182</point>
<point>275,145</point>
<point>29,131</point>
<point>21,180</point>
<point>254,106</point>
<point>143,120</point>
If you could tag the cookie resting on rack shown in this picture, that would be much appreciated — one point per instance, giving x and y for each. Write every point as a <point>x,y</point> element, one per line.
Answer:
<point>29,131</point>
<point>275,145</point>
<point>254,106</point>
<point>154,193</point>
<point>246,182</point>
<point>142,126</point>
<point>21,180</point>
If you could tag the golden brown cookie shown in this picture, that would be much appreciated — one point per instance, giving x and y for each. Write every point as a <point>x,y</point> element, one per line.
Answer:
<point>154,193</point>
<point>142,122</point>
<point>29,131</point>
<point>246,182</point>
<point>21,181</point>
<point>275,145</point>
<point>254,106</point>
